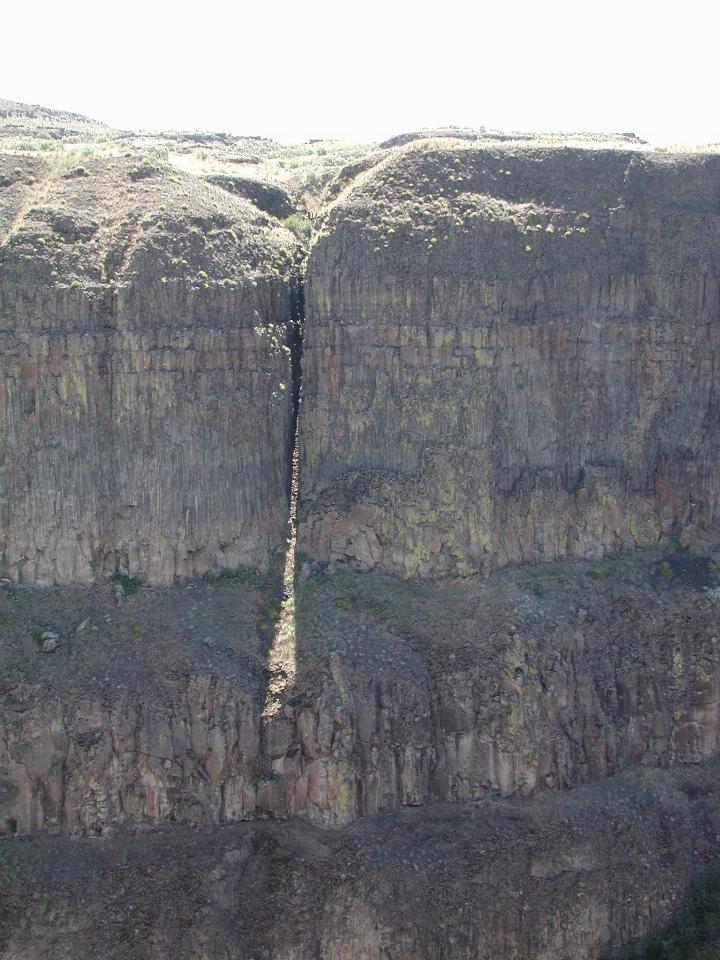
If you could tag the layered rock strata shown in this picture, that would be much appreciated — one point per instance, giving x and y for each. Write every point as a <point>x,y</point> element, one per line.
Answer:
<point>400,696</point>
<point>145,401</point>
<point>510,355</point>
<point>563,877</point>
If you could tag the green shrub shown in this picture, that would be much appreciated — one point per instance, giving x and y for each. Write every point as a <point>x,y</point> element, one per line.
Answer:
<point>299,225</point>
<point>130,585</point>
<point>713,594</point>
<point>142,170</point>
<point>665,571</point>
<point>247,575</point>
<point>274,608</point>
<point>694,933</point>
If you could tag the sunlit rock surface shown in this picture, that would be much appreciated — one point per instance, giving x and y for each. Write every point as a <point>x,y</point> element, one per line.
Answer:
<point>510,355</point>
<point>144,374</point>
<point>481,720</point>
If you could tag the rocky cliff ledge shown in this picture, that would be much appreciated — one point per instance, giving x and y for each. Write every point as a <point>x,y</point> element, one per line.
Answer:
<point>477,712</point>
<point>561,877</point>
<point>401,694</point>
<point>511,354</point>
<point>145,401</point>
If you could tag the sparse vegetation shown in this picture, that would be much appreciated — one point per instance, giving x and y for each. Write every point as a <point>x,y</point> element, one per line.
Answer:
<point>244,575</point>
<point>299,225</point>
<point>129,584</point>
<point>695,933</point>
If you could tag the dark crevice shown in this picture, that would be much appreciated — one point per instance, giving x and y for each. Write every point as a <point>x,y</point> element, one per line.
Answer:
<point>295,343</point>
<point>281,656</point>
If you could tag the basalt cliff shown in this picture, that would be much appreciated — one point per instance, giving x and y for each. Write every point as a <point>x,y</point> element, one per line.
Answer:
<point>359,545</point>
<point>509,356</point>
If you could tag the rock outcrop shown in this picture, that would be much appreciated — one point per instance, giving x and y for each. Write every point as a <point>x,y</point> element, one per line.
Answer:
<point>267,197</point>
<point>32,121</point>
<point>145,401</point>
<point>562,877</point>
<point>402,696</point>
<point>510,355</point>
<point>504,624</point>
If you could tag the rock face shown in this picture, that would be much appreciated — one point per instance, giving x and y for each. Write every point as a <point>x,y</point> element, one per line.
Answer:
<point>401,697</point>
<point>265,196</point>
<point>145,405</point>
<point>569,877</point>
<point>510,356</point>
<point>84,766</point>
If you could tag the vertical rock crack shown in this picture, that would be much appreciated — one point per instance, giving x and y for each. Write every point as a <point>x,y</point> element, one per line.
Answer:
<point>282,661</point>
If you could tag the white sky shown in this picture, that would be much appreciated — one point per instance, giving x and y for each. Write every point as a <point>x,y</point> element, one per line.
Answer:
<point>365,70</point>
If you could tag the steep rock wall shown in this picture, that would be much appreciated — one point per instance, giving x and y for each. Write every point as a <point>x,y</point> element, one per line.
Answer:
<point>571,877</point>
<point>511,354</point>
<point>144,376</point>
<point>399,698</point>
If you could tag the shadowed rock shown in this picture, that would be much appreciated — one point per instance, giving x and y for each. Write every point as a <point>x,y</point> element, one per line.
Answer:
<point>571,877</point>
<point>265,196</point>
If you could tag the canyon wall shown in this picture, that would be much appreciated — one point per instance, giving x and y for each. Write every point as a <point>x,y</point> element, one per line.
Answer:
<point>145,401</point>
<point>400,697</point>
<point>504,611</point>
<point>511,355</point>
<point>562,877</point>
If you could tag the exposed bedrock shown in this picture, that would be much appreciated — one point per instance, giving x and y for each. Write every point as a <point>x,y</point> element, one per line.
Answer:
<point>401,696</point>
<point>560,877</point>
<point>268,197</point>
<point>506,609</point>
<point>511,354</point>
<point>144,375</point>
